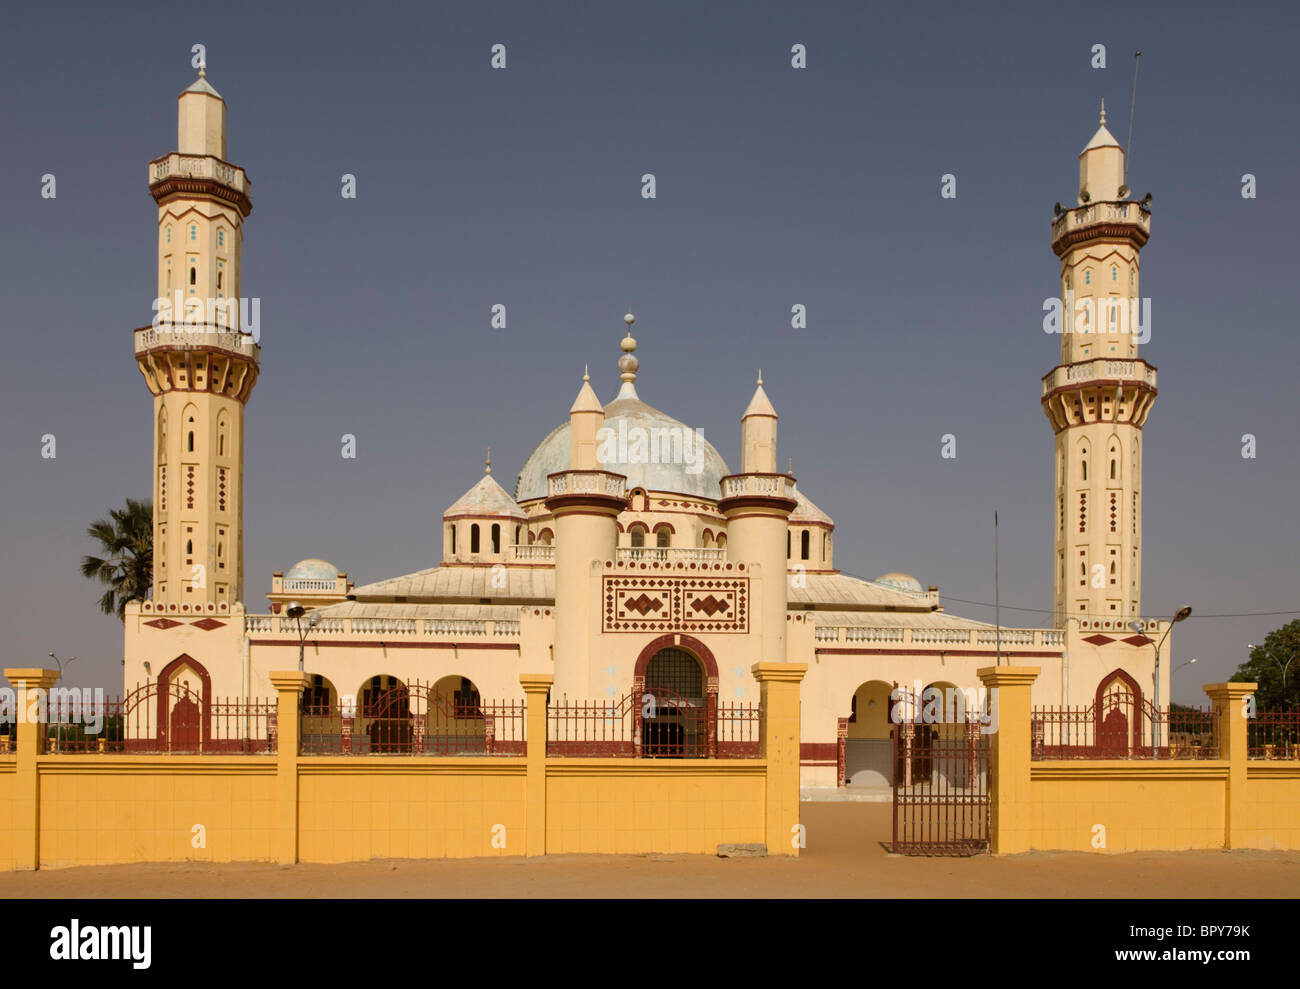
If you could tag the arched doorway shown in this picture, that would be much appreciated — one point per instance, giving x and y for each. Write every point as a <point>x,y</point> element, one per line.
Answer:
<point>184,693</point>
<point>1118,715</point>
<point>321,720</point>
<point>868,745</point>
<point>384,715</point>
<point>673,705</point>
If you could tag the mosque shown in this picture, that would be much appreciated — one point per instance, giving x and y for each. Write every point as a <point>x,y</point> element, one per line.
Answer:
<point>628,553</point>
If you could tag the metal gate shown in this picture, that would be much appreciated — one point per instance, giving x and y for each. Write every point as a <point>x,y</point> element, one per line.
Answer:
<point>941,795</point>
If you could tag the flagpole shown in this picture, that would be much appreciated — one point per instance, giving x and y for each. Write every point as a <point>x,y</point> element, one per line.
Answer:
<point>997,600</point>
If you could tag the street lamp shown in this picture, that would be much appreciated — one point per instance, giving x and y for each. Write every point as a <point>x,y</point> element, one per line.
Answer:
<point>296,611</point>
<point>1269,653</point>
<point>62,663</point>
<point>1181,614</point>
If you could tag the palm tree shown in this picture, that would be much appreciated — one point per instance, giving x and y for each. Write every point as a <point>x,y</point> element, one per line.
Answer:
<point>127,567</point>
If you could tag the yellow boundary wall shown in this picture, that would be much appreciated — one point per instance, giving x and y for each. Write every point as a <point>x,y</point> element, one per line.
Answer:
<point>1126,805</point>
<point>70,810</point>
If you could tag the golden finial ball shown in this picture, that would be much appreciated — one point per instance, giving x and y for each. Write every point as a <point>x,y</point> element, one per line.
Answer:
<point>629,319</point>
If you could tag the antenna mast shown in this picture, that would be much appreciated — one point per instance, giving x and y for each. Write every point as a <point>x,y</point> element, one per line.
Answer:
<point>1128,149</point>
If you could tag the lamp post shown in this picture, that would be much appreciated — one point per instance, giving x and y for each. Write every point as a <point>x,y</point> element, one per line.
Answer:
<point>1283,667</point>
<point>296,611</point>
<point>1181,614</point>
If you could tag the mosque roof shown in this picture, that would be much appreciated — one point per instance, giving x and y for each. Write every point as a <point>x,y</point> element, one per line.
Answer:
<point>442,584</point>
<point>696,468</point>
<point>853,594</point>
<point>901,582</point>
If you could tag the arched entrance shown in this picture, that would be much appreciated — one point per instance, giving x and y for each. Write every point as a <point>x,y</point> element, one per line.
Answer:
<point>385,715</point>
<point>868,748</point>
<point>1118,715</point>
<point>675,688</point>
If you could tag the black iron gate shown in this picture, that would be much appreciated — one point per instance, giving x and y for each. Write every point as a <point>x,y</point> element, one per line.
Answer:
<point>941,795</point>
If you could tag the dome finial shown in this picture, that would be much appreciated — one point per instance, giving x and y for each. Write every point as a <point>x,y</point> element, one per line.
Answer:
<point>586,372</point>
<point>760,377</point>
<point>789,466</point>
<point>488,462</point>
<point>1103,112</point>
<point>627,364</point>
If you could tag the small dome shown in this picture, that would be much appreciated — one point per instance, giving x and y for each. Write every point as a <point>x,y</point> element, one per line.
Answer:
<point>901,582</point>
<point>806,511</point>
<point>312,568</point>
<point>485,498</point>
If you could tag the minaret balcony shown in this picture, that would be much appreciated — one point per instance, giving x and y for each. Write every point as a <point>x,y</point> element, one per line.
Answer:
<point>180,174</point>
<point>1097,220</point>
<point>1099,371</point>
<point>758,485</point>
<point>196,336</point>
<point>586,482</point>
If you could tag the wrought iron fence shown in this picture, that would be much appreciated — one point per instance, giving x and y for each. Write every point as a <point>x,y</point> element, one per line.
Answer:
<point>413,719</point>
<point>653,722</point>
<point>151,719</point>
<point>1122,727</point>
<point>1273,735</point>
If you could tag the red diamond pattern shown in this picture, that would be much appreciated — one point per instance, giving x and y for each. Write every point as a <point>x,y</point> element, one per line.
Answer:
<point>709,605</point>
<point>163,623</point>
<point>208,624</point>
<point>1098,640</point>
<point>643,605</point>
<point>1138,640</point>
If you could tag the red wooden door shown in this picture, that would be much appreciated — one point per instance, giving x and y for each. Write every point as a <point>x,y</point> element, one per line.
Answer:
<point>184,735</point>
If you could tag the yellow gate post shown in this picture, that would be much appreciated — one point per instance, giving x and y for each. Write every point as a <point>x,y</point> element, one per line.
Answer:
<point>1229,700</point>
<point>536,686</point>
<point>778,685</point>
<point>30,685</point>
<point>288,689</point>
<point>1009,756</point>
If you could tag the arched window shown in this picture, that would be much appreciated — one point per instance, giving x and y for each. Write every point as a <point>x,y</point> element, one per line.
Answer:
<point>826,536</point>
<point>189,442</point>
<point>194,231</point>
<point>638,538</point>
<point>221,237</point>
<point>516,535</point>
<point>546,537</point>
<point>722,541</point>
<point>193,274</point>
<point>787,544</point>
<point>452,527</point>
<point>473,538</point>
<point>661,538</point>
<point>496,538</point>
<point>1114,273</point>
<point>1084,465</point>
<point>1087,277</point>
<point>189,547</point>
<point>804,542</point>
<point>169,233</point>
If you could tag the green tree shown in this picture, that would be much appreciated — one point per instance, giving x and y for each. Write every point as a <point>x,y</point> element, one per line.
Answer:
<point>126,540</point>
<point>1277,690</point>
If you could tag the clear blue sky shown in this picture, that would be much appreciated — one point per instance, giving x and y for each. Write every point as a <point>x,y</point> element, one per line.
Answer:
<point>775,187</point>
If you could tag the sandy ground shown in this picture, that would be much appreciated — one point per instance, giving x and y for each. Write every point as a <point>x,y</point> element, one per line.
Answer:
<point>844,858</point>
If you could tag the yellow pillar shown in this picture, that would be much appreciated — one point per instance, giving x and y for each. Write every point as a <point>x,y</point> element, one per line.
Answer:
<point>778,685</point>
<point>288,688</point>
<point>1229,704</point>
<point>29,686</point>
<point>1009,756</point>
<point>535,687</point>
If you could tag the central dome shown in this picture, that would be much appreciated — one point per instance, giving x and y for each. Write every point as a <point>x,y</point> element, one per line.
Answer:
<point>697,469</point>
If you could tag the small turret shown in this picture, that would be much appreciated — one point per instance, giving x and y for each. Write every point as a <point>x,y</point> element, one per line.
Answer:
<point>1101,167</point>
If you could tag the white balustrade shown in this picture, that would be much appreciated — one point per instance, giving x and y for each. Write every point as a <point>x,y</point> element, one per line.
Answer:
<point>665,554</point>
<point>537,552</point>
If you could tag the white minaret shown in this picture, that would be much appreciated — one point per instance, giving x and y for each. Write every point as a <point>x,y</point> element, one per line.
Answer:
<point>1098,398</point>
<point>199,363</point>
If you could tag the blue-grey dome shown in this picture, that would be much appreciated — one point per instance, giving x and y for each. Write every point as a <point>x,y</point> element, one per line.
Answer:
<point>901,582</point>
<point>312,569</point>
<point>697,469</point>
